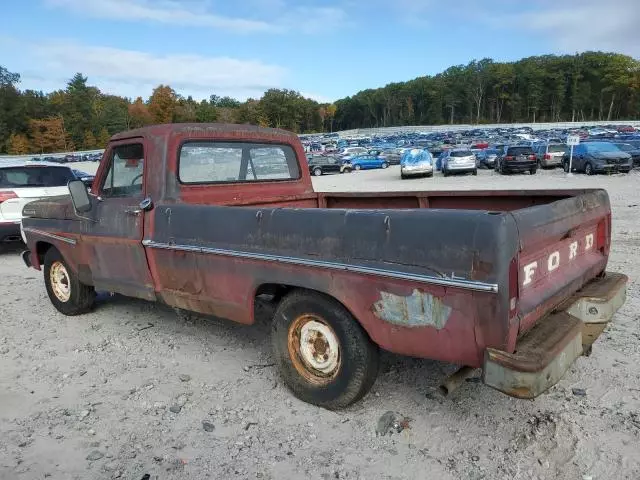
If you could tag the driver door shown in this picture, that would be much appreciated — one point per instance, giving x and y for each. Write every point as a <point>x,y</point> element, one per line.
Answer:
<point>113,230</point>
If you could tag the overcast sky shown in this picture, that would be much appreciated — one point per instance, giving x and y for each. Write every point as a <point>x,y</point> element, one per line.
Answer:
<point>324,49</point>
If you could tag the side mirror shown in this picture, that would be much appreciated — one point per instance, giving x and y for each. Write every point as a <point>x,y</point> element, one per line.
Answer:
<point>79,196</point>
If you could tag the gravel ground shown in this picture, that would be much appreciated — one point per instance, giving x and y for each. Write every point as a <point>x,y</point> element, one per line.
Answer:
<point>136,391</point>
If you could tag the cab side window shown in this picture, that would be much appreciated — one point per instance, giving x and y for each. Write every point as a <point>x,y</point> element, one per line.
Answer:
<point>125,174</point>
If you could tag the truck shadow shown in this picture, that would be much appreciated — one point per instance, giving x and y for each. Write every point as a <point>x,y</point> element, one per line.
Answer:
<point>13,248</point>
<point>398,375</point>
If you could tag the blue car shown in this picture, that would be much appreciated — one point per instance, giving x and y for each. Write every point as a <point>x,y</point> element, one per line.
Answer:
<point>365,162</point>
<point>416,162</point>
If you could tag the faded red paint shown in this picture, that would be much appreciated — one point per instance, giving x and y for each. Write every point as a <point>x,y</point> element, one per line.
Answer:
<point>112,255</point>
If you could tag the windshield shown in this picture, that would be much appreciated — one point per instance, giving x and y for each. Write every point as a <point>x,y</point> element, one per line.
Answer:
<point>520,151</point>
<point>556,148</point>
<point>625,147</point>
<point>16,177</point>
<point>603,147</point>
<point>417,156</point>
<point>461,153</point>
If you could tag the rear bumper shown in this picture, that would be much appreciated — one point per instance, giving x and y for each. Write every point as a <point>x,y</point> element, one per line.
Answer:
<point>551,162</point>
<point>460,168</point>
<point>10,232</point>
<point>545,352</point>
<point>518,166</point>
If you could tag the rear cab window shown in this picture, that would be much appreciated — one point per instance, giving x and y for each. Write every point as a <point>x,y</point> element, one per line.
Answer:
<point>201,162</point>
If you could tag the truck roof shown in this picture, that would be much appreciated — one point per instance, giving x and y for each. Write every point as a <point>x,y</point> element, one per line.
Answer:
<point>202,129</point>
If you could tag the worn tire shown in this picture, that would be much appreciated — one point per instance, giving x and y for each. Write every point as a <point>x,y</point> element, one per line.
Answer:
<point>357,364</point>
<point>80,296</point>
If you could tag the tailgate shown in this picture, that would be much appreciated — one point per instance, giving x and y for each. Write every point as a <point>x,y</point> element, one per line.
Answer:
<point>563,245</point>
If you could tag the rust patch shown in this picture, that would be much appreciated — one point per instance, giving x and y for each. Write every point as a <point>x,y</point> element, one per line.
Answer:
<point>420,309</point>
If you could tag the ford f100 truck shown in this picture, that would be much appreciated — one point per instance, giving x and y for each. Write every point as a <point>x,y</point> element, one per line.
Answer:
<point>210,218</point>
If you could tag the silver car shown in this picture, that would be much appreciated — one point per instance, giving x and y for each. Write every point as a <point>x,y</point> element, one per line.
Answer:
<point>550,155</point>
<point>459,160</point>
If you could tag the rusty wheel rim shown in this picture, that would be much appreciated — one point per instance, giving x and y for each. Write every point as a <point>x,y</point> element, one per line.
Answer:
<point>314,349</point>
<point>60,284</point>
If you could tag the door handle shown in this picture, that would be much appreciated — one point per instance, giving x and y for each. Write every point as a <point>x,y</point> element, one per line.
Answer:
<point>144,206</point>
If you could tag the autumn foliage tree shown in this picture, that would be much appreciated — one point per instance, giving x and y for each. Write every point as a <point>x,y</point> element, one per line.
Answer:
<point>19,144</point>
<point>49,135</point>
<point>162,104</point>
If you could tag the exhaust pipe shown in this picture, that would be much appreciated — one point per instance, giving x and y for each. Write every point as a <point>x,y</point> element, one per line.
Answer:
<point>452,382</point>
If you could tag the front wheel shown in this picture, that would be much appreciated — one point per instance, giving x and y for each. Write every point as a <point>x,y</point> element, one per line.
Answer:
<point>565,167</point>
<point>317,172</point>
<point>475,173</point>
<point>66,292</point>
<point>357,167</point>
<point>323,354</point>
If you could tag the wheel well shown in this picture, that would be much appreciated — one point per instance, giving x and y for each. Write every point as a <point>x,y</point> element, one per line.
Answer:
<point>274,292</point>
<point>41,250</point>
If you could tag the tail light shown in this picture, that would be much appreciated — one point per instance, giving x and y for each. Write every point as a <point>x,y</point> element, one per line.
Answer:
<point>509,157</point>
<point>547,156</point>
<point>4,196</point>
<point>532,157</point>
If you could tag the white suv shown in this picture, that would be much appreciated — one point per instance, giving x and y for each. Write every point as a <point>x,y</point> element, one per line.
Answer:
<point>24,182</point>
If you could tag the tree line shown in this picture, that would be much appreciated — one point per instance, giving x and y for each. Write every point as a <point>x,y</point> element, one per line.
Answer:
<point>550,88</point>
<point>582,87</point>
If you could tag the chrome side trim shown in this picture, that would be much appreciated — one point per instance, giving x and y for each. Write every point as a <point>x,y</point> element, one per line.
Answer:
<point>441,281</point>
<point>70,241</point>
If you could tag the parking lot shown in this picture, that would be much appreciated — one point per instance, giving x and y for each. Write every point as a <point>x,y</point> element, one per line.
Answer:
<point>136,388</point>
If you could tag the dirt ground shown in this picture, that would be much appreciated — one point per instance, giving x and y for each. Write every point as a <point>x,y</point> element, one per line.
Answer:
<point>123,392</point>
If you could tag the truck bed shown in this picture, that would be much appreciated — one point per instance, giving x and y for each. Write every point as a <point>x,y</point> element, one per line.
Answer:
<point>461,253</point>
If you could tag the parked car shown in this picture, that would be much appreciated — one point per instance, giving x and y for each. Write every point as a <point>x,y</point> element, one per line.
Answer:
<point>366,162</point>
<point>486,158</point>
<point>459,160</point>
<point>320,164</point>
<point>550,155</point>
<point>598,157</point>
<point>416,162</point>
<point>516,159</point>
<point>351,152</point>
<point>392,156</point>
<point>347,273</point>
<point>632,149</point>
<point>85,177</point>
<point>23,182</point>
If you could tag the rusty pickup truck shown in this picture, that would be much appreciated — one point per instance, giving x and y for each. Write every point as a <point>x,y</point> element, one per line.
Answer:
<point>212,218</point>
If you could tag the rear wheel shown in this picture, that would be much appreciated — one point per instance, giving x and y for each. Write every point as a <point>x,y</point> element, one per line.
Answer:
<point>475,173</point>
<point>533,170</point>
<point>384,165</point>
<point>66,292</point>
<point>323,354</point>
<point>565,166</point>
<point>588,169</point>
<point>445,173</point>
<point>317,172</point>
